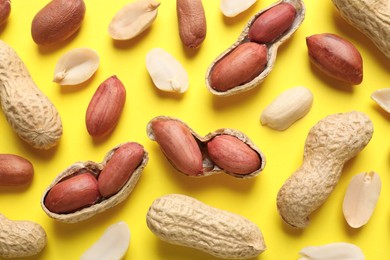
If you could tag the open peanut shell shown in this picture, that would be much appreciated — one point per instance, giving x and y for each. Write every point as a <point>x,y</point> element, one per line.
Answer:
<point>104,203</point>
<point>208,165</point>
<point>271,47</point>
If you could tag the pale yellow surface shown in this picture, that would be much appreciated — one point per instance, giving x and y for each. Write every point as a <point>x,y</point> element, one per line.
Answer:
<point>254,198</point>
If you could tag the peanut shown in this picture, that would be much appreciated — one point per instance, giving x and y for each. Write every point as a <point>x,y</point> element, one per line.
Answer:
<point>179,145</point>
<point>329,145</point>
<point>338,250</point>
<point>166,71</point>
<point>105,107</point>
<point>5,10</point>
<point>360,198</point>
<point>232,8</point>
<point>244,65</point>
<point>382,98</point>
<point>233,155</point>
<point>287,108</point>
<point>185,221</point>
<point>57,21</point>
<point>20,238</point>
<point>30,113</point>
<point>119,168</point>
<point>15,170</point>
<point>358,12</point>
<point>113,244</point>
<point>132,19</point>
<point>240,66</point>
<point>76,66</point>
<point>72,194</point>
<point>336,57</point>
<point>272,24</point>
<point>192,22</point>
<point>118,181</point>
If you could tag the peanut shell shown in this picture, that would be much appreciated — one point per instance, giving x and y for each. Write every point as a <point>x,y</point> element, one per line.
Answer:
<point>20,238</point>
<point>210,167</point>
<point>105,203</point>
<point>28,110</point>
<point>272,49</point>
<point>183,220</point>
<point>330,143</point>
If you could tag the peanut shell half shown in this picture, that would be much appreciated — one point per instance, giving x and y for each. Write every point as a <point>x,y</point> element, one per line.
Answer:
<point>101,205</point>
<point>210,167</point>
<point>272,49</point>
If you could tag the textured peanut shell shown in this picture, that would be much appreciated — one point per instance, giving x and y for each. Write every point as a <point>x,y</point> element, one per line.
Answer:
<point>329,145</point>
<point>102,205</point>
<point>185,221</point>
<point>272,49</point>
<point>371,17</point>
<point>208,166</point>
<point>20,238</point>
<point>30,113</point>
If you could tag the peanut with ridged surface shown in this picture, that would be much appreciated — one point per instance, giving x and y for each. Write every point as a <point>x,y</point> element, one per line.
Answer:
<point>185,221</point>
<point>20,238</point>
<point>329,145</point>
<point>28,110</point>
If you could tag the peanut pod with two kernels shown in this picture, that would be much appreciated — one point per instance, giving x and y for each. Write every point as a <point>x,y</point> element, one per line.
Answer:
<point>222,151</point>
<point>251,58</point>
<point>87,188</point>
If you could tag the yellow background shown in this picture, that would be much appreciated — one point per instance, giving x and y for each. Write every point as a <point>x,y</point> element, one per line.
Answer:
<point>254,198</point>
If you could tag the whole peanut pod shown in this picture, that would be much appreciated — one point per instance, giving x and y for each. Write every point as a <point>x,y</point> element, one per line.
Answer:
<point>185,221</point>
<point>329,145</point>
<point>20,238</point>
<point>28,110</point>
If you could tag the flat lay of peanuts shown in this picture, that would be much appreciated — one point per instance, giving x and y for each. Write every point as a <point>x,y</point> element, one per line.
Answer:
<point>179,129</point>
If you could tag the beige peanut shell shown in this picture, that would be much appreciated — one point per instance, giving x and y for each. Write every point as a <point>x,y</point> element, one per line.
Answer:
<point>105,203</point>
<point>272,49</point>
<point>329,145</point>
<point>209,167</point>
<point>183,220</point>
<point>372,18</point>
<point>28,110</point>
<point>20,238</point>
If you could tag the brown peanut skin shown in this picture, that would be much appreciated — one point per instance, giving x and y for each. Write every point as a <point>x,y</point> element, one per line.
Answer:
<point>272,24</point>
<point>5,10</point>
<point>233,155</point>
<point>119,168</point>
<point>57,21</point>
<point>105,107</point>
<point>192,22</point>
<point>15,170</point>
<point>240,66</point>
<point>179,145</point>
<point>336,57</point>
<point>72,194</point>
